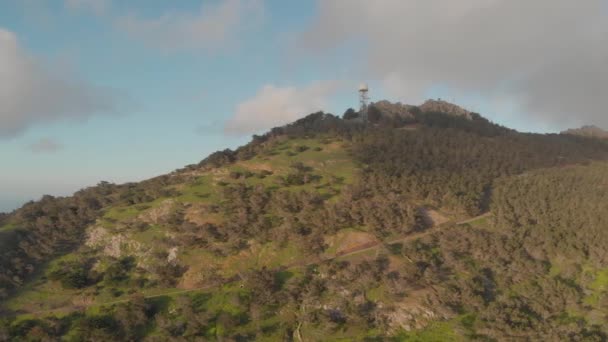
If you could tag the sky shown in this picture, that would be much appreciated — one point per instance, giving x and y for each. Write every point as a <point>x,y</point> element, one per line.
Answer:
<point>120,91</point>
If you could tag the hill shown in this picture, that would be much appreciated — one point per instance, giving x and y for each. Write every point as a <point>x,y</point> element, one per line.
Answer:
<point>419,225</point>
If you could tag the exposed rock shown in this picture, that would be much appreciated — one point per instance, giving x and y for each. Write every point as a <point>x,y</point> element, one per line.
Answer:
<point>445,107</point>
<point>114,245</point>
<point>172,255</point>
<point>588,131</point>
<point>95,236</point>
<point>412,317</point>
<point>158,214</point>
<point>394,110</point>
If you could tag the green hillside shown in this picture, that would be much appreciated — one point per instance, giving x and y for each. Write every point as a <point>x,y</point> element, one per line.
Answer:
<point>428,226</point>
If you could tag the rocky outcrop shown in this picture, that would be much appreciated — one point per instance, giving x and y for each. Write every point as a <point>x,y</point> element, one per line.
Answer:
<point>445,107</point>
<point>158,214</point>
<point>588,131</point>
<point>404,111</point>
<point>114,245</point>
<point>412,317</point>
<point>394,110</point>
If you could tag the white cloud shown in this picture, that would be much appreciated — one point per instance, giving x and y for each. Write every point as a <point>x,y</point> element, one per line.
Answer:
<point>274,106</point>
<point>212,27</point>
<point>32,92</point>
<point>550,56</point>
<point>97,7</point>
<point>45,145</point>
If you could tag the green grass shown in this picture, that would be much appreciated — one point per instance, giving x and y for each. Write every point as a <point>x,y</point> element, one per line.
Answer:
<point>435,332</point>
<point>601,281</point>
<point>42,294</point>
<point>480,222</point>
<point>148,236</point>
<point>377,294</point>
<point>599,286</point>
<point>273,256</point>
<point>362,255</point>
<point>331,161</point>
<point>120,214</point>
<point>349,332</point>
<point>202,190</point>
<point>8,227</point>
<point>226,299</point>
<point>340,238</point>
<point>555,270</point>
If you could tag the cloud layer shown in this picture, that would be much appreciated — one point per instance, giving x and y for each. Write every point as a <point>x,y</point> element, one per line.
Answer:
<point>214,26</point>
<point>549,56</point>
<point>97,7</point>
<point>45,145</point>
<point>274,106</point>
<point>32,92</point>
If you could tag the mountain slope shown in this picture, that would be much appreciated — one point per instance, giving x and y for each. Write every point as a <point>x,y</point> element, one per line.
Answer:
<point>326,229</point>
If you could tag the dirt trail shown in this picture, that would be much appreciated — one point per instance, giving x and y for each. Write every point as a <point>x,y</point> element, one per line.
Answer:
<point>355,250</point>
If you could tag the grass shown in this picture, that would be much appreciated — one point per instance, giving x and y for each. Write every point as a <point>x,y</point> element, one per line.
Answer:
<point>340,238</point>
<point>268,255</point>
<point>8,227</point>
<point>434,332</point>
<point>480,222</point>
<point>48,296</point>
<point>346,333</point>
<point>377,294</point>
<point>601,281</point>
<point>274,256</point>
<point>122,213</point>
<point>148,236</point>
<point>555,270</point>
<point>367,254</point>
<point>331,162</point>
<point>226,299</point>
<point>43,294</point>
<point>599,286</point>
<point>203,189</point>
<point>328,159</point>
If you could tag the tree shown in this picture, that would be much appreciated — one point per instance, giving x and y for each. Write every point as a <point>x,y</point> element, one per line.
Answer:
<point>373,114</point>
<point>350,114</point>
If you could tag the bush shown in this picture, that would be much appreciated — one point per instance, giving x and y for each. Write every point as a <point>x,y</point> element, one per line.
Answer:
<point>118,272</point>
<point>264,174</point>
<point>73,275</point>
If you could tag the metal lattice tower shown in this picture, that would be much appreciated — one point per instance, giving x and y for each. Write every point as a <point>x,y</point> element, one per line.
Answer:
<point>363,100</point>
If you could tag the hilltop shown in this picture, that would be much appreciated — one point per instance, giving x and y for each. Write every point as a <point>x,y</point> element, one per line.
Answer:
<point>426,223</point>
<point>588,131</point>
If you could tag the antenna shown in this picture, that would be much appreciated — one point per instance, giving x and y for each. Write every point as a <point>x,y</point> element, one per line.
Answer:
<point>363,99</point>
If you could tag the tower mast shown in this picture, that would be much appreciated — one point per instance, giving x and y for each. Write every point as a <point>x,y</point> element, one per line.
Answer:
<point>363,100</point>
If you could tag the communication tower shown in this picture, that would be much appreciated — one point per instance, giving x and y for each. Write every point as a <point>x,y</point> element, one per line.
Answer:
<point>363,100</point>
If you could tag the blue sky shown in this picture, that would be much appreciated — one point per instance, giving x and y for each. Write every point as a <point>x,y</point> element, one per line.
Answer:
<point>125,90</point>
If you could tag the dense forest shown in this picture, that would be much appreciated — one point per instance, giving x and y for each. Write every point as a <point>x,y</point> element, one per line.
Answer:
<point>532,267</point>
